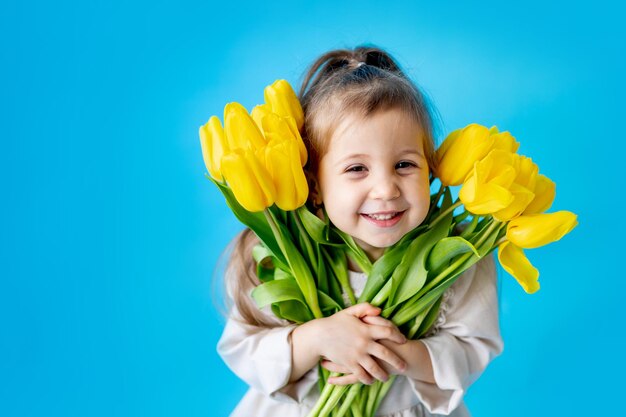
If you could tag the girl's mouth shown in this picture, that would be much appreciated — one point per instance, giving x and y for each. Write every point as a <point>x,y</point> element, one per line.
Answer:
<point>386,219</point>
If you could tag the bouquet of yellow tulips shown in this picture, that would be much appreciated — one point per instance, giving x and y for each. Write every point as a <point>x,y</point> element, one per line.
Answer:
<point>256,162</point>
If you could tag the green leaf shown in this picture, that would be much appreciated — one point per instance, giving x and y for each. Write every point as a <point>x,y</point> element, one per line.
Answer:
<point>327,304</point>
<point>255,221</point>
<point>469,228</point>
<point>316,227</point>
<point>337,265</point>
<point>356,253</point>
<point>264,264</point>
<point>430,318</point>
<point>414,261</point>
<point>292,311</point>
<point>381,270</point>
<point>445,250</point>
<point>285,297</point>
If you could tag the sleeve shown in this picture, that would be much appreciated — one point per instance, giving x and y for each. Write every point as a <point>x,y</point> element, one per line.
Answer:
<point>467,338</point>
<point>261,357</point>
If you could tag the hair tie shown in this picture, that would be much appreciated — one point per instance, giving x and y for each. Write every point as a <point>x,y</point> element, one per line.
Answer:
<point>360,64</point>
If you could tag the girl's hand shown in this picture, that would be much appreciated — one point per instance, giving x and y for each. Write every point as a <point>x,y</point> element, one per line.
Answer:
<point>388,367</point>
<point>349,340</point>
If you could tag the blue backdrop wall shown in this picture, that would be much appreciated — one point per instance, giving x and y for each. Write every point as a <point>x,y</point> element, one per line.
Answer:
<point>110,233</point>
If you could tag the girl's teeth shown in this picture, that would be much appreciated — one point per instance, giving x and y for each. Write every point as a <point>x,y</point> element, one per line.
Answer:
<point>382,216</point>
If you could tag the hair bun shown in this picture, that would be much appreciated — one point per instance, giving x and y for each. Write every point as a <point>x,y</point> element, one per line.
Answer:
<point>379,59</point>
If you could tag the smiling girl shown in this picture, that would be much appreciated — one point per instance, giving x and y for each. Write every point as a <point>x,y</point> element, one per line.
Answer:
<point>369,135</point>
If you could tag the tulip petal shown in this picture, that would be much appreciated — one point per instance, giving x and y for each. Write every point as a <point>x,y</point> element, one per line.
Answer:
<point>488,198</point>
<point>283,163</point>
<point>535,230</point>
<point>514,261</point>
<point>521,198</point>
<point>258,113</point>
<point>240,129</point>
<point>526,170</point>
<point>284,101</point>
<point>505,141</point>
<point>545,191</point>
<point>213,145</point>
<point>249,181</point>
<point>463,150</point>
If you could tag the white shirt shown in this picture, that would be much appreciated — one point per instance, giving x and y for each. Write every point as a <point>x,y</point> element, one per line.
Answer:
<point>462,342</point>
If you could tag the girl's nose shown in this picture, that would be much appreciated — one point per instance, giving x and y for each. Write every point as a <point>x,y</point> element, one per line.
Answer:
<point>385,188</point>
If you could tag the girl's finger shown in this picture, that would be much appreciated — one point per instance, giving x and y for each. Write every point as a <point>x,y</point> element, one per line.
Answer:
<point>333,367</point>
<point>384,353</point>
<point>361,310</point>
<point>386,332</point>
<point>374,369</point>
<point>343,380</point>
<point>378,321</point>
<point>361,375</point>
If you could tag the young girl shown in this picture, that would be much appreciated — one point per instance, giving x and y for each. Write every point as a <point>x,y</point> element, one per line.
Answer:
<point>369,135</point>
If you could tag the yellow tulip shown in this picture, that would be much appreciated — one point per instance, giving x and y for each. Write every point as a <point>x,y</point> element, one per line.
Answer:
<point>240,130</point>
<point>514,261</point>
<point>213,145</point>
<point>545,190</point>
<point>522,188</point>
<point>248,179</point>
<point>284,102</point>
<point>486,189</point>
<point>258,113</point>
<point>534,230</point>
<point>463,147</point>
<point>277,128</point>
<point>282,160</point>
<point>503,140</point>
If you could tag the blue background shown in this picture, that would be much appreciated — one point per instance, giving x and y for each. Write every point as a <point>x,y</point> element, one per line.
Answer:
<point>110,233</point>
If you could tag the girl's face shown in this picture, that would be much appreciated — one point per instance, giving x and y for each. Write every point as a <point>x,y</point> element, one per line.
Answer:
<point>374,179</point>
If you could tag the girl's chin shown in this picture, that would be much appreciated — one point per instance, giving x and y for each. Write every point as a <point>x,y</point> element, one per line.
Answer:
<point>375,248</point>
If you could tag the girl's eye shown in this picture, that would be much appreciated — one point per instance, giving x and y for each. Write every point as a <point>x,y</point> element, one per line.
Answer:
<point>356,168</point>
<point>405,164</point>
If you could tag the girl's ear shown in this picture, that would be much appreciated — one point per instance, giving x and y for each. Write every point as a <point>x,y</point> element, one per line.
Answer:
<point>315,194</point>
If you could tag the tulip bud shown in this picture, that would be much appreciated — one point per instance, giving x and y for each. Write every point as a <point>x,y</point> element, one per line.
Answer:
<point>463,147</point>
<point>213,145</point>
<point>240,130</point>
<point>258,113</point>
<point>514,261</point>
<point>248,179</point>
<point>277,128</point>
<point>486,189</point>
<point>535,230</point>
<point>545,190</point>
<point>522,188</point>
<point>282,160</point>
<point>503,140</point>
<point>284,101</point>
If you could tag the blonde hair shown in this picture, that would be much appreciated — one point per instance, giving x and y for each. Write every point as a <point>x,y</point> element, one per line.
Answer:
<point>339,83</point>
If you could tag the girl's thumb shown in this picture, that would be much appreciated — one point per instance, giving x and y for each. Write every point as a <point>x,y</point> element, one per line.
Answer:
<point>363,309</point>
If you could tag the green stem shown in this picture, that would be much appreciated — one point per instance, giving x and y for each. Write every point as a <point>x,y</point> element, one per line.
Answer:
<point>444,213</point>
<point>436,200</point>
<point>364,265</point>
<point>372,394</point>
<point>381,393</point>
<point>356,411</point>
<point>324,396</point>
<point>500,241</point>
<point>334,398</point>
<point>347,402</point>
<point>301,272</point>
